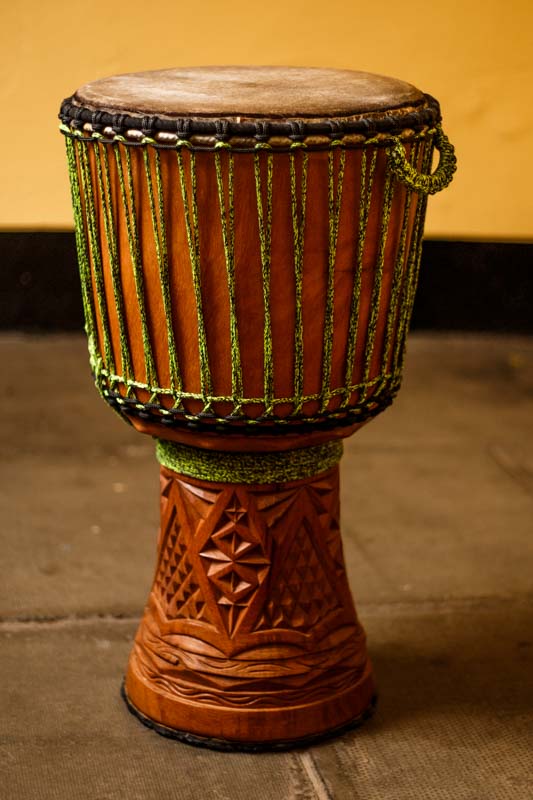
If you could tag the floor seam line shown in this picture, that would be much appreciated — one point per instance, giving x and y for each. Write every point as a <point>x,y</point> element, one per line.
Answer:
<point>314,776</point>
<point>454,605</point>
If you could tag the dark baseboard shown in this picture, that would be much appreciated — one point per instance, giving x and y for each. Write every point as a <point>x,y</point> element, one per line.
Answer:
<point>468,286</point>
<point>40,286</point>
<point>475,286</point>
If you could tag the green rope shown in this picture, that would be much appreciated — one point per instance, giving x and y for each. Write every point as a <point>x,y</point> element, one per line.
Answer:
<point>96,254</point>
<point>249,468</point>
<point>193,239</point>
<point>83,254</point>
<point>417,250</point>
<point>366,184</point>
<point>397,276</point>
<point>334,210</point>
<point>160,241</point>
<point>227,398</point>
<point>130,216</point>
<point>265,231</point>
<point>111,236</point>
<point>378,278</point>
<point>409,284</point>
<point>298,228</point>
<point>422,182</point>
<point>228,240</point>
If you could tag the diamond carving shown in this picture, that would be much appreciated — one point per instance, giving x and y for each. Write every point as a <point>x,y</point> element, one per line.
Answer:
<point>235,560</point>
<point>245,563</point>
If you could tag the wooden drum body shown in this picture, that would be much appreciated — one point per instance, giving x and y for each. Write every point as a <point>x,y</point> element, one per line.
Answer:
<point>249,243</point>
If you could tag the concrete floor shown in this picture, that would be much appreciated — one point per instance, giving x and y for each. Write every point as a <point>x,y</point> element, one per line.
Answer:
<point>438,529</point>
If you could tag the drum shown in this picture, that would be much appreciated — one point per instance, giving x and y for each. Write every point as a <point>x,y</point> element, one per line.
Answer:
<point>249,243</point>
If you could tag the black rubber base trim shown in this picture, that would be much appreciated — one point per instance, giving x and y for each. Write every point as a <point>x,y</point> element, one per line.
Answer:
<point>230,746</point>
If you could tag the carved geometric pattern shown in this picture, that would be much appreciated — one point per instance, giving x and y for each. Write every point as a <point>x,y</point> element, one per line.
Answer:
<point>327,503</point>
<point>175,585</point>
<point>197,503</point>
<point>235,561</point>
<point>221,545</point>
<point>303,594</point>
<point>250,605</point>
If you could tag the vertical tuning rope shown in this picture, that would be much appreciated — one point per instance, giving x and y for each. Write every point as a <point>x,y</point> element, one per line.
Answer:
<point>398,277</point>
<point>409,284</point>
<point>334,210</point>
<point>265,233</point>
<point>160,241</point>
<point>298,228</point>
<point>104,185</point>
<point>96,253</point>
<point>72,145</point>
<point>130,215</point>
<point>227,214</point>
<point>368,169</point>
<point>190,210</point>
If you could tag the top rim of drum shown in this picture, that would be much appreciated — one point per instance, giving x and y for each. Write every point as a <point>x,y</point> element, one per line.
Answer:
<point>259,102</point>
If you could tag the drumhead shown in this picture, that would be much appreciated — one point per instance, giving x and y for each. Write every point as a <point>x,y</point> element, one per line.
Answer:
<point>252,101</point>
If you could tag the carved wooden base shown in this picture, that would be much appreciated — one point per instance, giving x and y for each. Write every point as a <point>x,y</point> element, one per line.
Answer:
<point>250,634</point>
<point>228,745</point>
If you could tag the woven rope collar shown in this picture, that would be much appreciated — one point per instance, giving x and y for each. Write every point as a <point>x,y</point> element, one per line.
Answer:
<point>205,132</point>
<point>251,468</point>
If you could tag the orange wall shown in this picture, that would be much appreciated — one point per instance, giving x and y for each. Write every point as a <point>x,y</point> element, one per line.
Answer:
<point>475,57</point>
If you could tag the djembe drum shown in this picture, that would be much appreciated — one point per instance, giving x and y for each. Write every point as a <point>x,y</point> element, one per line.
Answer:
<point>249,242</point>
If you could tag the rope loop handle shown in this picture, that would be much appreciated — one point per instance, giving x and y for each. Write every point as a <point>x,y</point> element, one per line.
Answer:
<point>418,182</point>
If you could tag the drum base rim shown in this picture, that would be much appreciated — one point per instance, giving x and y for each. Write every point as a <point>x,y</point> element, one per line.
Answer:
<point>235,746</point>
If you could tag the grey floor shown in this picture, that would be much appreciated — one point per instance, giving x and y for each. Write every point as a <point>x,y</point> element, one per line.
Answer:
<point>438,529</point>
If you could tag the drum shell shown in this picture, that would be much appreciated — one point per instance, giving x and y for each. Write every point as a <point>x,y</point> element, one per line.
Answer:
<point>308,350</point>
